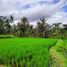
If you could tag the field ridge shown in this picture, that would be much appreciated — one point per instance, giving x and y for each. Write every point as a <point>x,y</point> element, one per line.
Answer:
<point>57,58</point>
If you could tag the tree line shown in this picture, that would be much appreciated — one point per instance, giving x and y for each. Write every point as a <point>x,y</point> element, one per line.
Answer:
<point>24,29</point>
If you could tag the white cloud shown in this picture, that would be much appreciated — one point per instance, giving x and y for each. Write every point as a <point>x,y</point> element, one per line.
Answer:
<point>58,17</point>
<point>49,10</point>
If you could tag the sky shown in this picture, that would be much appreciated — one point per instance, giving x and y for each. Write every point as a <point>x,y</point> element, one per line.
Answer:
<point>53,10</point>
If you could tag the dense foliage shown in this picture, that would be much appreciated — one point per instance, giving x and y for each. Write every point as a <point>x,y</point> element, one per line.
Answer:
<point>24,29</point>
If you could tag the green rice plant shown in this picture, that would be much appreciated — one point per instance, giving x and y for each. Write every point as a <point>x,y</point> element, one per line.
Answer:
<point>25,52</point>
<point>58,54</point>
<point>61,47</point>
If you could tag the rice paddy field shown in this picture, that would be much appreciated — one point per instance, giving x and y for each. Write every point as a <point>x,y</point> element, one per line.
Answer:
<point>25,52</point>
<point>29,52</point>
<point>65,40</point>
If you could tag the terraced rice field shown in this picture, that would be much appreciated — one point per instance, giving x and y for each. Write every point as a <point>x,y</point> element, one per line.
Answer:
<point>33,52</point>
<point>25,52</point>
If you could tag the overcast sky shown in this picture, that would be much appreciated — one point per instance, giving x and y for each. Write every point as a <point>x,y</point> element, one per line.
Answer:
<point>53,10</point>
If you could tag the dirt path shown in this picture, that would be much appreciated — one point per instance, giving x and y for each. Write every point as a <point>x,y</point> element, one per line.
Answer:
<point>58,59</point>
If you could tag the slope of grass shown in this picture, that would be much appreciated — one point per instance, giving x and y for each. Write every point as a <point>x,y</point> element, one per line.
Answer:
<point>58,59</point>
<point>62,47</point>
<point>57,53</point>
<point>25,52</point>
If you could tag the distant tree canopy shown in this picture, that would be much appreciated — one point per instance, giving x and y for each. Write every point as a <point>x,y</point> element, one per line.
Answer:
<point>24,29</point>
<point>5,26</point>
